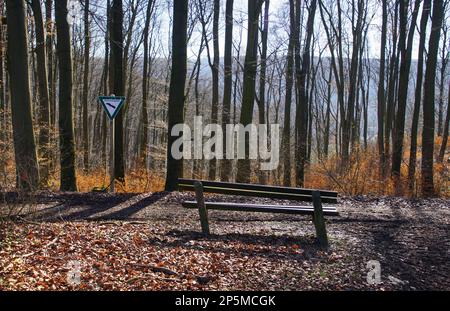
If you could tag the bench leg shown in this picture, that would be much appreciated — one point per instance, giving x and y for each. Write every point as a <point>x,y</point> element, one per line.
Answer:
<point>319,221</point>
<point>201,207</point>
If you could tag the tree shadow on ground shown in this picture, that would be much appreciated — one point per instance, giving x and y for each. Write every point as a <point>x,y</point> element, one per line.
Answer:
<point>128,211</point>
<point>79,208</point>
<point>411,252</point>
<point>220,243</point>
<point>92,206</point>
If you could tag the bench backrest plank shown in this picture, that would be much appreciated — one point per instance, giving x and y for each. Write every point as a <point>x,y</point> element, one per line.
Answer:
<point>255,190</point>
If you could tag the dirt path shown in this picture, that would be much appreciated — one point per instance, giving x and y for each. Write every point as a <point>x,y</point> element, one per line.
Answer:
<point>148,241</point>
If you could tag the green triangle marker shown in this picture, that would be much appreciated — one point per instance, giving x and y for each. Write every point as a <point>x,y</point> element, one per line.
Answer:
<point>111,104</point>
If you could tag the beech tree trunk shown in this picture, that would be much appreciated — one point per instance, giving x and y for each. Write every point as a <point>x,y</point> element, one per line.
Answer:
<point>428,101</point>
<point>24,143</point>
<point>176,90</point>
<point>418,94</point>
<point>445,132</point>
<point>44,106</point>
<point>262,77</point>
<point>118,85</point>
<point>105,84</point>
<point>392,81</point>
<point>3,122</point>
<point>87,43</point>
<point>405,47</point>
<point>302,73</point>
<point>66,132</point>
<point>248,91</point>
<point>215,78</point>
<point>50,65</point>
<point>286,138</point>
<point>144,137</point>
<point>443,74</point>
<point>381,91</point>
<point>227,85</point>
<point>349,120</point>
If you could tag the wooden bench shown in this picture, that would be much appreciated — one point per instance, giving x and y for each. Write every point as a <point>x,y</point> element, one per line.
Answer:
<point>317,197</point>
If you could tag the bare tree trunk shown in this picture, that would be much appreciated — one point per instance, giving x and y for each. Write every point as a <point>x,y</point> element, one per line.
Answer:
<point>286,140</point>
<point>66,133</point>
<point>405,48</point>
<point>195,76</point>
<point>49,47</point>
<point>87,43</point>
<point>176,91</point>
<point>51,77</point>
<point>32,65</point>
<point>248,91</point>
<point>24,144</point>
<point>355,130</point>
<point>418,94</point>
<point>129,95</point>
<point>133,8</point>
<point>366,102</point>
<point>302,74</point>
<point>262,76</point>
<point>3,122</point>
<point>237,81</point>
<point>215,78</point>
<point>393,73</point>
<point>326,138</point>
<point>118,86</point>
<point>52,86</point>
<point>144,137</point>
<point>353,76</point>
<point>445,132</point>
<point>227,85</point>
<point>443,73</point>
<point>311,100</point>
<point>428,101</point>
<point>338,71</point>
<point>44,112</point>
<point>381,92</point>
<point>105,85</point>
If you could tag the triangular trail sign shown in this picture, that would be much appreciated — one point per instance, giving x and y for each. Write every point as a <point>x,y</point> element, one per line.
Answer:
<point>111,104</point>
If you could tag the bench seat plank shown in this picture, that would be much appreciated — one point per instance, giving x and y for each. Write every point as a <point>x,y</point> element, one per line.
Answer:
<point>244,207</point>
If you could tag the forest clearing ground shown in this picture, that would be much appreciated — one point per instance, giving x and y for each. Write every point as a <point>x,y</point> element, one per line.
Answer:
<point>148,241</point>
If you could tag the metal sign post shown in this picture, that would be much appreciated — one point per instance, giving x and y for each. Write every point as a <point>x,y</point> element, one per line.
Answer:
<point>112,179</point>
<point>112,105</point>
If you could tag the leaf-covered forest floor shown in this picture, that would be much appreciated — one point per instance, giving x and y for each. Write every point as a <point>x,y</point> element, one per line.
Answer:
<point>149,242</point>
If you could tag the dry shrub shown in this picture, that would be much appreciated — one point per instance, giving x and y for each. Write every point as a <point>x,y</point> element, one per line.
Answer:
<point>362,175</point>
<point>141,180</point>
<point>359,176</point>
<point>136,181</point>
<point>95,179</point>
<point>442,178</point>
